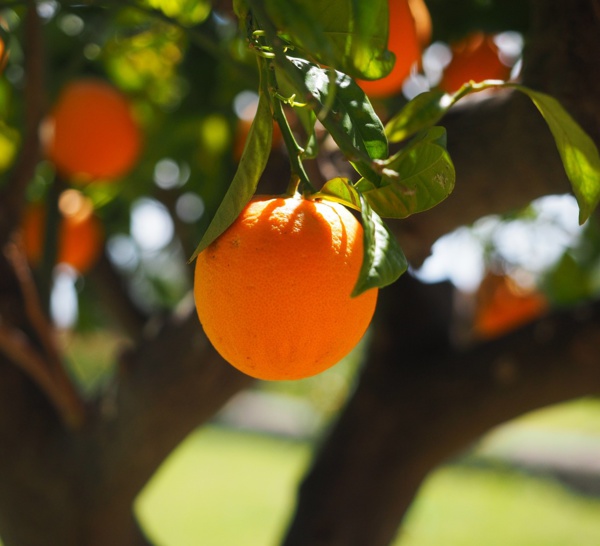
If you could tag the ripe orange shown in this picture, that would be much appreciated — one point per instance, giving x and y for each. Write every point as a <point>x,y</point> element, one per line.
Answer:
<point>473,58</point>
<point>80,233</point>
<point>409,31</point>
<point>91,133</point>
<point>503,306</point>
<point>273,292</point>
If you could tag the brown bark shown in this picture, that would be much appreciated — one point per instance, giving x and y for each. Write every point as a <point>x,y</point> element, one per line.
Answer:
<point>77,487</point>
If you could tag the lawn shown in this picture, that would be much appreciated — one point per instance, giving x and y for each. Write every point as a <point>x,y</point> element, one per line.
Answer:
<point>223,487</point>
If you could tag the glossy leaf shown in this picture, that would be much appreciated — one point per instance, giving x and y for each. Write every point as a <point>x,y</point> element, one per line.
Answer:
<point>350,120</point>
<point>340,190</point>
<point>349,35</point>
<point>577,150</point>
<point>252,164</point>
<point>383,260</point>
<point>421,112</point>
<point>416,179</point>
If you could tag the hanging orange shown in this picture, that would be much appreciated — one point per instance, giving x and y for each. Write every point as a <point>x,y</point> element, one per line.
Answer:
<point>273,292</point>
<point>91,133</point>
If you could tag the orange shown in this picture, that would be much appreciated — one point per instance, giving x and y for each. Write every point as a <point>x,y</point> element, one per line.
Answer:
<point>473,58</point>
<point>91,132</point>
<point>409,31</point>
<point>273,292</point>
<point>80,233</point>
<point>503,306</point>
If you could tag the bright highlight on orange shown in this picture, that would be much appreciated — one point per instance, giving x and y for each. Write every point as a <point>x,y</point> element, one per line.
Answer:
<point>409,32</point>
<point>91,133</point>
<point>476,58</point>
<point>80,233</point>
<point>273,292</point>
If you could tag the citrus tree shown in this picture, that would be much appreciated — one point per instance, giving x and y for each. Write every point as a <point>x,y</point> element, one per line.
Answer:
<point>133,139</point>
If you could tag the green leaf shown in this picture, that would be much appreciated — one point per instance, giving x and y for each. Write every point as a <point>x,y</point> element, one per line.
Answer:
<point>416,179</point>
<point>577,150</point>
<point>421,112</point>
<point>349,35</point>
<point>252,164</point>
<point>339,190</point>
<point>350,120</point>
<point>383,260</point>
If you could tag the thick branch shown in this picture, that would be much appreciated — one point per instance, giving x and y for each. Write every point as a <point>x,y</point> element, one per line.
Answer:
<point>171,384</point>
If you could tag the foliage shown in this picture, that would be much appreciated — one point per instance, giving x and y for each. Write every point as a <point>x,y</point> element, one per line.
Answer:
<point>307,58</point>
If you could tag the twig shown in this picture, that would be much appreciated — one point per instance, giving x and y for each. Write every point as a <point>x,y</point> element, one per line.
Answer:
<point>33,308</point>
<point>48,372</point>
<point>15,345</point>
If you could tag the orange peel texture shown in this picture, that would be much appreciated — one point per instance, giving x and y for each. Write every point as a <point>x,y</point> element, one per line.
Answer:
<point>273,291</point>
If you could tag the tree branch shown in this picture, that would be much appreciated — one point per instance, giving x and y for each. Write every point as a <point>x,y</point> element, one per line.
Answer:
<point>167,386</point>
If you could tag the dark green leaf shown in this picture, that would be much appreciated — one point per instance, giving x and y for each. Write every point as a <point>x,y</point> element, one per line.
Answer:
<point>420,113</point>
<point>350,120</point>
<point>349,35</point>
<point>252,164</point>
<point>577,150</point>
<point>383,260</point>
<point>416,179</point>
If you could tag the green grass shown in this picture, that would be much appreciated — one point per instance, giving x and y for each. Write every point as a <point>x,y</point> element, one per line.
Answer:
<point>223,488</point>
<point>460,506</point>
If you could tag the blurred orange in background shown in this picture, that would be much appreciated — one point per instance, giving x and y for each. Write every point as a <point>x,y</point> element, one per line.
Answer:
<point>80,232</point>
<point>476,57</point>
<point>503,305</point>
<point>91,133</point>
<point>409,33</point>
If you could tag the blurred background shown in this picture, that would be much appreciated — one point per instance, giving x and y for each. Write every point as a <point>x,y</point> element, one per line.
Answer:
<point>186,72</point>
